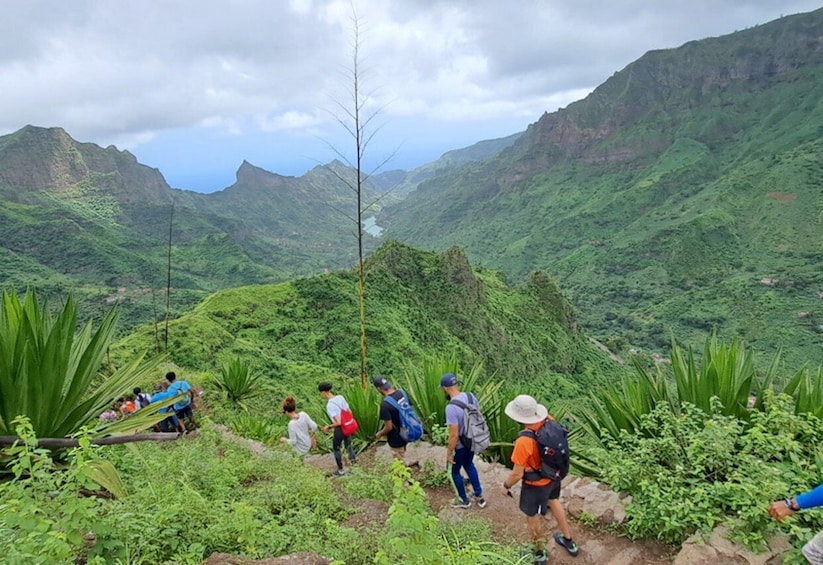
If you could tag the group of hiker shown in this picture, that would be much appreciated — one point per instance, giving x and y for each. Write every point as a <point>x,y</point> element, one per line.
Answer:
<point>540,458</point>
<point>180,414</point>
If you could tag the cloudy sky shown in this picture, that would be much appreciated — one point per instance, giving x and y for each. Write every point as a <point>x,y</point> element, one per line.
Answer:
<point>194,87</point>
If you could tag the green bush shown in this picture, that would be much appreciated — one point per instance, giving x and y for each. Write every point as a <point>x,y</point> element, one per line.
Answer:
<point>692,470</point>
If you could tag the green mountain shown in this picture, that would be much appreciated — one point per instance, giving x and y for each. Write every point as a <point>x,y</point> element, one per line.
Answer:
<point>401,183</point>
<point>75,216</point>
<point>682,195</point>
<point>418,304</point>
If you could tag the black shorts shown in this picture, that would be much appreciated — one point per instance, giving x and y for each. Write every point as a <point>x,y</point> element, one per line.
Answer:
<point>185,413</point>
<point>535,500</point>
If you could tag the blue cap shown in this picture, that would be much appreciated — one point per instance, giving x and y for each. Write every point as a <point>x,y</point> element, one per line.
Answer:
<point>449,379</point>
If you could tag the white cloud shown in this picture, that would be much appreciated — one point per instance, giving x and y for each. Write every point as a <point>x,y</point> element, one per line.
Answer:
<point>139,70</point>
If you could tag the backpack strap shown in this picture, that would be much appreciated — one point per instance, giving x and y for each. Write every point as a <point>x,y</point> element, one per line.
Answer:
<point>534,474</point>
<point>472,401</point>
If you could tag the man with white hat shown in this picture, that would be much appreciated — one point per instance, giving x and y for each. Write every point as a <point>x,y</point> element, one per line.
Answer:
<point>539,495</point>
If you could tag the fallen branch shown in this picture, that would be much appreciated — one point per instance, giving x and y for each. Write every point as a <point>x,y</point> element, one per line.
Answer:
<point>51,442</point>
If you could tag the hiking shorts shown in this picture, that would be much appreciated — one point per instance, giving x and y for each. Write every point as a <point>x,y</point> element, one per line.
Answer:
<point>185,413</point>
<point>535,500</point>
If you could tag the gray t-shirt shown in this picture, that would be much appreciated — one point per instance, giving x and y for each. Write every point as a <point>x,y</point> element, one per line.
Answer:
<point>454,414</point>
<point>300,433</point>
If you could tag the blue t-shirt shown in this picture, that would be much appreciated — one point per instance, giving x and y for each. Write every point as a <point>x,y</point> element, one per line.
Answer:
<point>180,387</point>
<point>159,396</point>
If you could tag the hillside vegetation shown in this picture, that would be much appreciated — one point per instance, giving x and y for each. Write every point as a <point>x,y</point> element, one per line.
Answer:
<point>419,304</point>
<point>682,196</point>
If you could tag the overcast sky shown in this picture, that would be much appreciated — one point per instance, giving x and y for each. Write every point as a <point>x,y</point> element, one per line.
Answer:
<point>194,87</point>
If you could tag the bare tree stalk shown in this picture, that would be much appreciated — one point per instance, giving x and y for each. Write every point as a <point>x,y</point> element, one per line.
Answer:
<point>154,317</point>
<point>59,442</point>
<point>358,142</point>
<point>168,280</point>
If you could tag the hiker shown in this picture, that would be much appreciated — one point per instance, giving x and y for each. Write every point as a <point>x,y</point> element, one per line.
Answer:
<point>301,428</point>
<point>183,409</point>
<point>538,494</point>
<point>398,415</point>
<point>171,423</point>
<point>127,406</point>
<point>458,455</point>
<point>335,405</point>
<point>142,399</point>
<point>781,509</point>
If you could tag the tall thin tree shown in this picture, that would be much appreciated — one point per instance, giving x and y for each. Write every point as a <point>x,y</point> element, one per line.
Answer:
<point>357,122</point>
<point>168,280</point>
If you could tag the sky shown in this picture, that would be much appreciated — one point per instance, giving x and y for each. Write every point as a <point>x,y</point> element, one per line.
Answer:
<point>195,87</point>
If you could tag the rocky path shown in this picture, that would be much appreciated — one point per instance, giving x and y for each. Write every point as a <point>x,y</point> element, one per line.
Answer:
<point>597,544</point>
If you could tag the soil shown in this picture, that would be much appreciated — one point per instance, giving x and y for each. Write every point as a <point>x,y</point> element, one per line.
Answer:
<point>507,523</point>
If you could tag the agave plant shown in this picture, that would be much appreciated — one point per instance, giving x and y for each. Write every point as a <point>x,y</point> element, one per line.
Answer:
<point>50,372</point>
<point>237,380</point>
<point>423,387</point>
<point>726,372</point>
<point>807,389</point>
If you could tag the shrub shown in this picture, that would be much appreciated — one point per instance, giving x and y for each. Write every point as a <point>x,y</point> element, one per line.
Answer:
<point>50,372</point>
<point>237,380</point>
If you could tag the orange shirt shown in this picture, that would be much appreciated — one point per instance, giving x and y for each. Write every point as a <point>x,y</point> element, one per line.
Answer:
<point>527,454</point>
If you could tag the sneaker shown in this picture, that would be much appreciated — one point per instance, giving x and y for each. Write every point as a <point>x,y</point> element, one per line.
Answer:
<point>567,544</point>
<point>338,473</point>
<point>457,503</point>
<point>480,501</point>
<point>541,559</point>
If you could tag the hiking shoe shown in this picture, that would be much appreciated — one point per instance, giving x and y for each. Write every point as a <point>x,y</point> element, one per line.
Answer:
<point>480,501</point>
<point>457,503</point>
<point>567,544</point>
<point>338,473</point>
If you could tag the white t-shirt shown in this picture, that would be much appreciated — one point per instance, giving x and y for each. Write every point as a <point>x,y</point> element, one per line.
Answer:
<point>335,405</point>
<point>300,433</point>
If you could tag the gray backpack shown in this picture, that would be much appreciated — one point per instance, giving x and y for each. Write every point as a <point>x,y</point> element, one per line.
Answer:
<point>476,436</point>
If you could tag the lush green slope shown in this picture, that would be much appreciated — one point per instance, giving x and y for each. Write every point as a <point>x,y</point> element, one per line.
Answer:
<point>662,199</point>
<point>75,216</point>
<point>418,304</point>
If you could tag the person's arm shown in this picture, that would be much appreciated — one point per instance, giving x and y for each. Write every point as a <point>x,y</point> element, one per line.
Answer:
<point>781,509</point>
<point>514,477</point>
<point>385,415</point>
<point>451,446</point>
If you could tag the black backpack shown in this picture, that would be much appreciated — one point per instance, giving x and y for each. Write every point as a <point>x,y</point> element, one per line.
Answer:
<point>553,441</point>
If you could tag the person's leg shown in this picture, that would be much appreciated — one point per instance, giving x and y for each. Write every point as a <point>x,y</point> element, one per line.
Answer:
<point>337,440</point>
<point>560,515</point>
<point>471,471</point>
<point>456,477</point>
<point>534,502</point>
<point>535,527</point>
<point>564,536</point>
<point>399,453</point>
<point>352,454</point>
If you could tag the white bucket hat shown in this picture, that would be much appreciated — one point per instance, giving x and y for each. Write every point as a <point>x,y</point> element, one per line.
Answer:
<point>525,410</point>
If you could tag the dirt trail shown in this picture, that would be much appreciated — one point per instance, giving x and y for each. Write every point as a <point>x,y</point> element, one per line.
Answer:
<point>597,545</point>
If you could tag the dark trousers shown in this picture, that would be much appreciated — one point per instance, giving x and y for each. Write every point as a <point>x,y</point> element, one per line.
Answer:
<point>336,442</point>
<point>464,459</point>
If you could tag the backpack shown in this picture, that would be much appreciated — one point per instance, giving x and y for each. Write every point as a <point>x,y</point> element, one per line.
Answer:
<point>143,400</point>
<point>476,436</point>
<point>348,425</point>
<point>411,428</point>
<point>553,441</point>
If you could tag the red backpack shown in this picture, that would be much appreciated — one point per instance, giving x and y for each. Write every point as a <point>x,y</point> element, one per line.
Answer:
<point>348,425</point>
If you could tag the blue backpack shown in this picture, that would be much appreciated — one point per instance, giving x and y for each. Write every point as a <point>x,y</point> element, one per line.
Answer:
<point>411,428</point>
